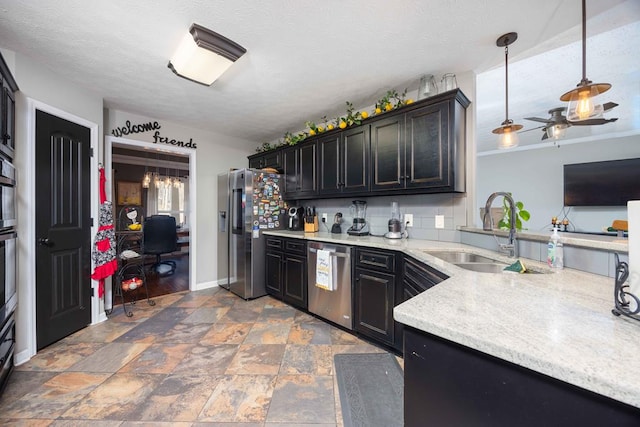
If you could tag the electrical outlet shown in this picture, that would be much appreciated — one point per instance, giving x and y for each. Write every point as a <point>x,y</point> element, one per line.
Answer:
<point>408,220</point>
<point>324,217</point>
<point>439,221</point>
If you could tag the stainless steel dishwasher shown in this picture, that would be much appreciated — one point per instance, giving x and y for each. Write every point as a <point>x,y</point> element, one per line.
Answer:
<point>333,305</point>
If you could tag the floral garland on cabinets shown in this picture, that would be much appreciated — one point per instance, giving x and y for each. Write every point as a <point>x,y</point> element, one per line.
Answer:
<point>390,101</point>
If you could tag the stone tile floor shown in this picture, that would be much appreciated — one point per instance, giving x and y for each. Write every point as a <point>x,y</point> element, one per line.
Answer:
<point>204,358</point>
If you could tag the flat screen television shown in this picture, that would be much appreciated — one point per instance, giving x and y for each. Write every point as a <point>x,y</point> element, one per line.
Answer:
<point>610,183</point>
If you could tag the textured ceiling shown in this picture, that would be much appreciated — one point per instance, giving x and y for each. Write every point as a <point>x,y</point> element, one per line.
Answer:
<point>305,59</point>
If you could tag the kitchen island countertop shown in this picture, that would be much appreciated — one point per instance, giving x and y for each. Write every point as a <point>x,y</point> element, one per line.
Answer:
<point>557,323</point>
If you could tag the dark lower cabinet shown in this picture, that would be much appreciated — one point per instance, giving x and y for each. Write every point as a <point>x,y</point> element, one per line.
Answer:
<point>447,384</point>
<point>7,345</point>
<point>375,294</point>
<point>417,278</point>
<point>273,267</point>
<point>374,302</point>
<point>294,290</point>
<point>286,270</point>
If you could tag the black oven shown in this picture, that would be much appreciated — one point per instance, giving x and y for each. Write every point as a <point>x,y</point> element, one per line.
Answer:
<point>7,240</point>
<point>8,297</point>
<point>7,195</point>
<point>8,248</point>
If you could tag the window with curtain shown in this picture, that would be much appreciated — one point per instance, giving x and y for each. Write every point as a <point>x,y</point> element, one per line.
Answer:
<point>165,197</point>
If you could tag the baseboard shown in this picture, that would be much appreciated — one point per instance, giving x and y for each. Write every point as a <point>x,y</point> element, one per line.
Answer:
<point>205,285</point>
<point>101,318</point>
<point>22,357</point>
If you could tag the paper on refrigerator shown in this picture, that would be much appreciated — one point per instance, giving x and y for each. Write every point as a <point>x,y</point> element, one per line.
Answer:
<point>324,271</point>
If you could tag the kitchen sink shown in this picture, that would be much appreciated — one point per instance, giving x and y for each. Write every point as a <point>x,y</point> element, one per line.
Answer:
<point>461,257</point>
<point>475,262</point>
<point>482,267</point>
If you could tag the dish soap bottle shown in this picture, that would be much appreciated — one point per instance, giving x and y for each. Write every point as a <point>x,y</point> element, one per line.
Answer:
<point>555,256</point>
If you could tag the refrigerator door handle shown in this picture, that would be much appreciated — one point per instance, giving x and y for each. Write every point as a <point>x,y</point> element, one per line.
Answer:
<point>237,221</point>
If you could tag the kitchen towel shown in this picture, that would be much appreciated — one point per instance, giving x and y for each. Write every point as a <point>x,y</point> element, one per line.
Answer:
<point>633,216</point>
<point>324,272</point>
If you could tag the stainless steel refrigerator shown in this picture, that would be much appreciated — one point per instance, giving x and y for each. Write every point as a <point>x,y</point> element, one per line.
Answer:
<point>223,230</point>
<point>254,205</point>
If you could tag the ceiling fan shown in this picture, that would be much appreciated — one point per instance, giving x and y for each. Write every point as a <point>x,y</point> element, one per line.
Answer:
<point>557,123</point>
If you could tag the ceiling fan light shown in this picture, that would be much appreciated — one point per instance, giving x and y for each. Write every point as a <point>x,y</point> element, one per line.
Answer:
<point>556,131</point>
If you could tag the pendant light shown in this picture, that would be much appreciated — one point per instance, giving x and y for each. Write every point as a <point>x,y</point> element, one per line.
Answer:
<point>507,131</point>
<point>582,105</point>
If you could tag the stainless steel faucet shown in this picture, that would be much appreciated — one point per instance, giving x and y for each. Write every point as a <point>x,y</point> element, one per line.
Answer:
<point>487,222</point>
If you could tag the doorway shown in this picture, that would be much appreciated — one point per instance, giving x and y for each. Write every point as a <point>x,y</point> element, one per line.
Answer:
<point>127,162</point>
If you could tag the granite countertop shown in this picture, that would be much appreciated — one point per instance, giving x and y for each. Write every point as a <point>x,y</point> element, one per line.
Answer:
<point>556,323</point>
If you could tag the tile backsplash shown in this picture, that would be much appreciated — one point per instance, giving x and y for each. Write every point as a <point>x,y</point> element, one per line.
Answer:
<point>423,207</point>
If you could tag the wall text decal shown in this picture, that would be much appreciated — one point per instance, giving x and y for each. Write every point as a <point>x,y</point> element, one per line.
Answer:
<point>129,129</point>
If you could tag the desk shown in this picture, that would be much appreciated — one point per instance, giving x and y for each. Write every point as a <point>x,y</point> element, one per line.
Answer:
<point>183,239</point>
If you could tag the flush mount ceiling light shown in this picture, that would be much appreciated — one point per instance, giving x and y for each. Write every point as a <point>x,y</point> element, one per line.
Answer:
<point>204,55</point>
<point>508,130</point>
<point>583,107</point>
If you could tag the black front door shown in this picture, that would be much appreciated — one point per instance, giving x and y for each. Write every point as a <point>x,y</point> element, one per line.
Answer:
<point>63,229</point>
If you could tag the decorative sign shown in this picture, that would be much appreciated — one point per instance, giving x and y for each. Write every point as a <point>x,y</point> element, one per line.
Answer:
<point>129,129</point>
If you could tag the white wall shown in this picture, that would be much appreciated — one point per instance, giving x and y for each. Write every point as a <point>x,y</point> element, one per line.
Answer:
<point>215,153</point>
<point>41,84</point>
<point>535,177</point>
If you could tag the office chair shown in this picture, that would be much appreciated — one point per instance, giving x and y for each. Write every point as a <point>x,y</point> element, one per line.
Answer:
<point>159,236</point>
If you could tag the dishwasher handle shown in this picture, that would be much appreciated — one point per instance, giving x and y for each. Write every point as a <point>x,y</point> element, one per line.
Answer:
<point>333,254</point>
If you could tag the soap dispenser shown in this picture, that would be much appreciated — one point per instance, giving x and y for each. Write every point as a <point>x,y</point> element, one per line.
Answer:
<point>555,255</point>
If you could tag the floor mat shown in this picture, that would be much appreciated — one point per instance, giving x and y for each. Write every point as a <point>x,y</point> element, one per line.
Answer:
<point>371,389</point>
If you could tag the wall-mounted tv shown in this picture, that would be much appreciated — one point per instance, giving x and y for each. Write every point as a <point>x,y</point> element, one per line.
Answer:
<point>610,183</point>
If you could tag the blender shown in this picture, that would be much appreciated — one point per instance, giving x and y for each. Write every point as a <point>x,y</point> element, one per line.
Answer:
<point>395,226</point>
<point>359,212</point>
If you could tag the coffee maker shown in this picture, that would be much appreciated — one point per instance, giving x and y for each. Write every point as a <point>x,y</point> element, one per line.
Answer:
<point>359,213</point>
<point>295,220</point>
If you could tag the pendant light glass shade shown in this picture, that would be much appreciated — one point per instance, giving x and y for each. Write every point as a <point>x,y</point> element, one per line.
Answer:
<point>508,135</point>
<point>508,130</point>
<point>146,180</point>
<point>583,102</point>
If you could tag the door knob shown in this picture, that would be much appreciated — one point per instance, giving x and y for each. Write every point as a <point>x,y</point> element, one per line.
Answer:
<point>45,242</point>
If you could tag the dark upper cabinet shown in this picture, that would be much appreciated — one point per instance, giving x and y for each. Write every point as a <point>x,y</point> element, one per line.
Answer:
<point>344,162</point>
<point>419,148</point>
<point>7,110</point>
<point>387,153</point>
<point>270,159</point>
<point>427,147</point>
<point>422,149</point>
<point>300,169</point>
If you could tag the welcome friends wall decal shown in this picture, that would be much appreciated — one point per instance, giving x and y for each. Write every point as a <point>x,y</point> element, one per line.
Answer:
<point>129,129</point>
